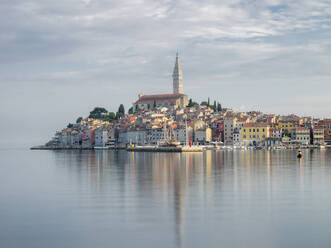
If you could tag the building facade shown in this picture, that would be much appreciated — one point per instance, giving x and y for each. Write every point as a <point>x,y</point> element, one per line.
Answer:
<point>255,133</point>
<point>101,137</point>
<point>300,135</point>
<point>229,125</point>
<point>161,100</point>
<point>318,136</point>
<point>182,134</point>
<point>203,136</point>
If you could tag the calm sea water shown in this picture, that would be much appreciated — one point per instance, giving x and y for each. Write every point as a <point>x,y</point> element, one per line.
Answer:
<point>121,199</point>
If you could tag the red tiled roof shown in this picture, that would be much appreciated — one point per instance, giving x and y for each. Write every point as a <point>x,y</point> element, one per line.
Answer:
<point>256,124</point>
<point>151,101</point>
<point>158,98</point>
<point>242,119</point>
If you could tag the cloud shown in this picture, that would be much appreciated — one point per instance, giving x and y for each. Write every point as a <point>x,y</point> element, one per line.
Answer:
<point>103,52</point>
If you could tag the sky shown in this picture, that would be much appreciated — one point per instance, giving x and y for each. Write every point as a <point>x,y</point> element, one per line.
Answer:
<point>60,59</point>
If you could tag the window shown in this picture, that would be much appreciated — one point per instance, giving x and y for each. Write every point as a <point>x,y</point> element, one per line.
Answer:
<point>250,130</point>
<point>263,130</point>
<point>254,130</point>
<point>244,136</point>
<point>257,130</point>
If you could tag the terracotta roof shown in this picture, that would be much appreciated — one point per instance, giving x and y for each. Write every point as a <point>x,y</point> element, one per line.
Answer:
<point>158,98</point>
<point>256,124</point>
<point>242,119</point>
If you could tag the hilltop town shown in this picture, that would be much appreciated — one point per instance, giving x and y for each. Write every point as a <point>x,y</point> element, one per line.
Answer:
<point>155,118</point>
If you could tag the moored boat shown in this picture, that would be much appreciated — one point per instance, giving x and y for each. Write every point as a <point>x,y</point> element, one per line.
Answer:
<point>299,155</point>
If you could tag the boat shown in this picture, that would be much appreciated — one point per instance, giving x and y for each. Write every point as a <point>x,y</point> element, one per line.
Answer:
<point>299,155</point>
<point>322,147</point>
<point>171,143</point>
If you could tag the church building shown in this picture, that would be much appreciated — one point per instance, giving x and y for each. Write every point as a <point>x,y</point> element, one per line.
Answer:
<point>176,99</point>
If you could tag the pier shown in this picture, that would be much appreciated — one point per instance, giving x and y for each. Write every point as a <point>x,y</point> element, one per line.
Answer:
<point>164,149</point>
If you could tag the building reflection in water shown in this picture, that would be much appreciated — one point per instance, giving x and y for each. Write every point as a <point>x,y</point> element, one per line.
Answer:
<point>169,181</point>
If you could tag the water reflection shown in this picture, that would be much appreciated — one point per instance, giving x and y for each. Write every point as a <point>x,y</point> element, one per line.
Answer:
<point>233,191</point>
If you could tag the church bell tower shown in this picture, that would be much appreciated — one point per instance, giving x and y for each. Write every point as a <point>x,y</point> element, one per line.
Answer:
<point>177,77</point>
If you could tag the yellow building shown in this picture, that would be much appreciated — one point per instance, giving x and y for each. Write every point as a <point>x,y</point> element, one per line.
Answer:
<point>254,132</point>
<point>286,125</point>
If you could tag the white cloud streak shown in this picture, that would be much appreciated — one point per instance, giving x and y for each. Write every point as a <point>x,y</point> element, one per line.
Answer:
<point>97,49</point>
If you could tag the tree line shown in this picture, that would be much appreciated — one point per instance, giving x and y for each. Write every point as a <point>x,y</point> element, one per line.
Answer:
<point>216,106</point>
<point>100,113</point>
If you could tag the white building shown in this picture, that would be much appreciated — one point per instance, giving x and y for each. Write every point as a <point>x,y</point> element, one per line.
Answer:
<point>237,136</point>
<point>300,135</point>
<point>101,137</point>
<point>229,125</point>
<point>203,135</point>
<point>238,124</point>
<point>139,137</point>
<point>74,139</point>
<point>155,135</point>
<point>276,133</point>
<point>182,134</point>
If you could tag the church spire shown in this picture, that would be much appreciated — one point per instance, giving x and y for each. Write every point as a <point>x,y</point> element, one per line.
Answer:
<point>177,77</point>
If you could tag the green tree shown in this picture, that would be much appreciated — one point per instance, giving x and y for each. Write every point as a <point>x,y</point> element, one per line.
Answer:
<point>137,110</point>
<point>130,110</point>
<point>120,112</point>
<point>154,104</point>
<point>219,107</point>
<point>214,106</point>
<point>106,118</point>
<point>79,119</point>
<point>121,109</point>
<point>204,103</point>
<point>110,117</point>
<point>98,113</point>
<point>208,102</point>
<point>70,125</point>
<point>191,103</point>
